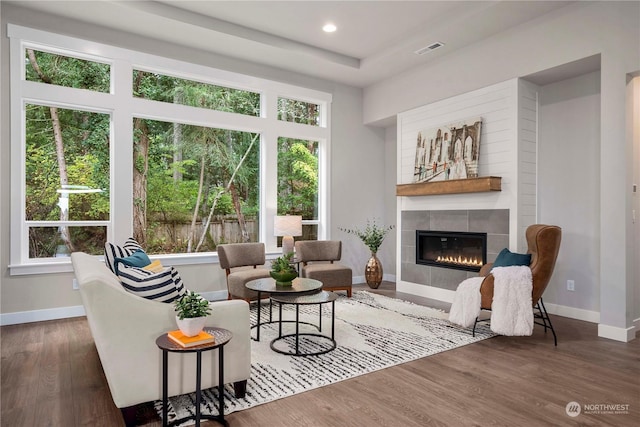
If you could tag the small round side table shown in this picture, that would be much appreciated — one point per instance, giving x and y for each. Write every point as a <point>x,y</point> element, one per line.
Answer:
<point>222,337</point>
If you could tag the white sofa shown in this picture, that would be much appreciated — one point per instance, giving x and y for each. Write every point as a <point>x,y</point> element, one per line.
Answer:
<point>125,327</point>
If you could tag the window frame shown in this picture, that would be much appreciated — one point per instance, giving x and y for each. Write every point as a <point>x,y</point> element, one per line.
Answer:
<point>123,106</point>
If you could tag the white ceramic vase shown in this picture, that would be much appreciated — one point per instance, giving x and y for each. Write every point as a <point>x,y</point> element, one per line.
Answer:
<point>191,326</point>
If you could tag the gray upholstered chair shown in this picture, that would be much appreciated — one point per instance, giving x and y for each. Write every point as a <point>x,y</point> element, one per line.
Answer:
<point>318,262</point>
<point>235,258</point>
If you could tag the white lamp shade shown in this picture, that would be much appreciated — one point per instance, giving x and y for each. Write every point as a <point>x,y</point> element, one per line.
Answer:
<point>288,225</point>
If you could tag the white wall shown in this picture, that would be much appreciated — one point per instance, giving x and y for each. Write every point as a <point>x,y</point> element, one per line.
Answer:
<point>580,30</point>
<point>357,179</point>
<point>357,166</point>
<point>569,161</point>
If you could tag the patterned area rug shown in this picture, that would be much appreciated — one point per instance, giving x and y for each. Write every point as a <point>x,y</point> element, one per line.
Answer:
<point>372,332</point>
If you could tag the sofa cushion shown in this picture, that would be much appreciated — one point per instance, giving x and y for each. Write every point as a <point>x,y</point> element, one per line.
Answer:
<point>136,259</point>
<point>111,252</point>
<point>506,258</point>
<point>165,286</point>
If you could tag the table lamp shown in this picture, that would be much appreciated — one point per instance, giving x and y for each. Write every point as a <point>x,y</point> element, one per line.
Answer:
<point>287,226</point>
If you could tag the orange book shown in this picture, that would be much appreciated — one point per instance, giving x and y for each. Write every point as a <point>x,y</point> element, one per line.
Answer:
<point>185,341</point>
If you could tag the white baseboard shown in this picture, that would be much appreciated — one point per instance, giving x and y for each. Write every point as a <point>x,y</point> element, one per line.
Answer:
<point>573,313</point>
<point>559,310</point>
<point>41,315</point>
<point>605,331</point>
<point>616,333</point>
<point>361,279</point>
<point>73,311</point>
<point>425,291</point>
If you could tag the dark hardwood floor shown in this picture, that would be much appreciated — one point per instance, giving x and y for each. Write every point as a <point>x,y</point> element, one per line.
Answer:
<point>51,376</point>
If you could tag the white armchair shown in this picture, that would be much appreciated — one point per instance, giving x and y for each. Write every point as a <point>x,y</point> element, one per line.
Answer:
<point>125,327</point>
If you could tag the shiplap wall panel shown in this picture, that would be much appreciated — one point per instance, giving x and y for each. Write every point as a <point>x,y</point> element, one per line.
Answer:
<point>508,149</point>
<point>497,106</point>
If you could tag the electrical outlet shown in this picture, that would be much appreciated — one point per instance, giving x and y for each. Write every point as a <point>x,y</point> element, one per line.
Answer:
<point>75,285</point>
<point>571,285</point>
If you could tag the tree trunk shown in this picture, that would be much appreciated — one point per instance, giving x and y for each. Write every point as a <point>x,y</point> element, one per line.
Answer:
<point>215,200</point>
<point>62,163</point>
<point>178,98</point>
<point>236,205</point>
<point>140,174</point>
<point>194,218</point>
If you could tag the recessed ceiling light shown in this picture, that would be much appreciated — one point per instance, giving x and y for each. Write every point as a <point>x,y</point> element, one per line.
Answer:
<point>329,28</point>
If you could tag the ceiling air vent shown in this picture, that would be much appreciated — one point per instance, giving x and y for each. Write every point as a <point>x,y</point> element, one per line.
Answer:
<point>432,46</point>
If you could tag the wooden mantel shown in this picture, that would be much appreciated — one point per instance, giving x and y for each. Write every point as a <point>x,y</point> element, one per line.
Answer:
<point>452,186</point>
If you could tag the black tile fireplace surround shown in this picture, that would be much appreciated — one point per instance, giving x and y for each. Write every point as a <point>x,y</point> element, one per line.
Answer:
<point>451,249</point>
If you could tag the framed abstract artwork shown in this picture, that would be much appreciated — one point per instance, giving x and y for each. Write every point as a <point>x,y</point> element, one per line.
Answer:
<point>448,152</point>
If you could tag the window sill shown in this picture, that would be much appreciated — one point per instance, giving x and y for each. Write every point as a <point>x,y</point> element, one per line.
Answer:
<point>64,265</point>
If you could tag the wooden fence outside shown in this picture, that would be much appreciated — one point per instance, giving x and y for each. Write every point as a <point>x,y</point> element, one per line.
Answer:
<point>225,230</point>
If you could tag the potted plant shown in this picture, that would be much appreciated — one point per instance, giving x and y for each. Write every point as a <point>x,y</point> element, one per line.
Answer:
<point>372,236</point>
<point>192,311</point>
<point>283,270</point>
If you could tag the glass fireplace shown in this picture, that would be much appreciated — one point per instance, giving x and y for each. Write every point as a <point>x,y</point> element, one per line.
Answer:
<point>451,249</point>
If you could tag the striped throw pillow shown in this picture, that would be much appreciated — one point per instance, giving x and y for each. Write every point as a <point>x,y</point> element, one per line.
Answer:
<point>111,252</point>
<point>165,286</point>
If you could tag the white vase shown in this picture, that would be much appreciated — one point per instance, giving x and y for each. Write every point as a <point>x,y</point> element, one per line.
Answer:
<point>191,326</point>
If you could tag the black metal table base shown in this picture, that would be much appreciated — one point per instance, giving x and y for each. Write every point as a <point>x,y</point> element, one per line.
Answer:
<point>297,352</point>
<point>300,286</point>
<point>217,418</point>
<point>332,346</point>
<point>198,415</point>
<point>271,321</point>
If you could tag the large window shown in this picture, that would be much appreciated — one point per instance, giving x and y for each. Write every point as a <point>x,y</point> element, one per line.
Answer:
<point>298,183</point>
<point>66,180</point>
<point>111,145</point>
<point>194,187</point>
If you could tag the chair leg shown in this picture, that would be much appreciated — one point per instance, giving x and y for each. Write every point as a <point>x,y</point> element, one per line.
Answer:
<point>240,389</point>
<point>546,320</point>
<point>478,320</point>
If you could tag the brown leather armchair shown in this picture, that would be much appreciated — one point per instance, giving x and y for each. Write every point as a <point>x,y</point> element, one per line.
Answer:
<point>543,245</point>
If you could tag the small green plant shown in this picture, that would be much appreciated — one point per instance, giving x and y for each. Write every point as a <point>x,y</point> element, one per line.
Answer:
<point>283,264</point>
<point>372,235</point>
<point>191,305</point>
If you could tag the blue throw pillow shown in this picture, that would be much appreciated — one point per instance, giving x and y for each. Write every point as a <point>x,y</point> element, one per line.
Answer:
<point>506,258</point>
<point>137,259</point>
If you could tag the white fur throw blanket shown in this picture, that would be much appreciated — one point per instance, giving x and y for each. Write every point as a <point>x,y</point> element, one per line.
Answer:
<point>466,302</point>
<point>511,309</point>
